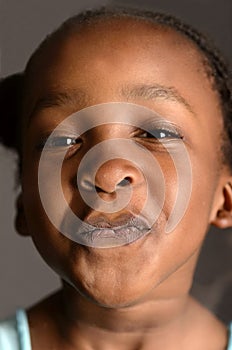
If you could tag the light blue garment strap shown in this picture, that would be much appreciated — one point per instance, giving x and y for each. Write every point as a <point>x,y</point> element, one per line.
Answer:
<point>8,335</point>
<point>23,330</point>
<point>230,337</point>
<point>14,332</point>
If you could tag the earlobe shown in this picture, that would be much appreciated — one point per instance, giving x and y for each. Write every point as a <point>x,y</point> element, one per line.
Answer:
<point>223,217</point>
<point>20,220</point>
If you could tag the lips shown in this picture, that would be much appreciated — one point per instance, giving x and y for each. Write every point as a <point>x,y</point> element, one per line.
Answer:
<point>101,233</point>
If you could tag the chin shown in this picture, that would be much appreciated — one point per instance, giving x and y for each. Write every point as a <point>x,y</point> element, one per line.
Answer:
<point>109,301</point>
<point>116,278</point>
<point>104,296</point>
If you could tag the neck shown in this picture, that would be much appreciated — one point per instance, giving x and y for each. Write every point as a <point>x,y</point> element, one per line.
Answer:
<point>145,315</point>
<point>86,323</point>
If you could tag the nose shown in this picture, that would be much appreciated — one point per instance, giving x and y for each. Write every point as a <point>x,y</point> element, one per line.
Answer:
<point>112,175</point>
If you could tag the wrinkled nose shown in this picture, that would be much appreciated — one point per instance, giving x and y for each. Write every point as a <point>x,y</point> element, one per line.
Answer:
<point>112,175</point>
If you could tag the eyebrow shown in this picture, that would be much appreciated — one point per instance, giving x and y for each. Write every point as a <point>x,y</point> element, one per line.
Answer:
<point>155,91</point>
<point>78,97</point>
<point>68,97</point>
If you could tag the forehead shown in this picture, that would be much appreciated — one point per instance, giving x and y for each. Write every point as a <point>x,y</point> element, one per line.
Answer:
<point>115,54</point>
<point>116,39</point>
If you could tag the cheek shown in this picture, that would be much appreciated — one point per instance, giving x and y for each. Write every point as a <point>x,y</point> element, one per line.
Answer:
<point>186,237</point>
<point>47,239</point>
<point>53,247</point>
<point>194,222</point>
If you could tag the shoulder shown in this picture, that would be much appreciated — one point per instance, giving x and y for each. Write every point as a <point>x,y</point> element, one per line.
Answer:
<point>14,332</point>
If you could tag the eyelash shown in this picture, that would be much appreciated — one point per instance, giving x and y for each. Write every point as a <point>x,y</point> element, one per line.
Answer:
<point>54,142</point>
<point>152,134</point>
<point>156,130</point>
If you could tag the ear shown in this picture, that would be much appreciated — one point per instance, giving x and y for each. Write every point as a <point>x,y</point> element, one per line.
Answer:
<point>20,219</point>
<point>223,216</point>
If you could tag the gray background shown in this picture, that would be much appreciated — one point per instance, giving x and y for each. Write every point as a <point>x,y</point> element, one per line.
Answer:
<point>24,277</point>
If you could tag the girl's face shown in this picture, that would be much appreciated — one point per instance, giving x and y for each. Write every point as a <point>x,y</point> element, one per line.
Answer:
<point>98,65</point>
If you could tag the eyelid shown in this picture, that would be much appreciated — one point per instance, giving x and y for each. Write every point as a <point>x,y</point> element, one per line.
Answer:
<point>152,125</point>
<point>159,123</point>
<point>44,139</point>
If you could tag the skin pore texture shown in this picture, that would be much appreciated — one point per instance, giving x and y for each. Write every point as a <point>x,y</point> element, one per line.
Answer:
<point>135,296</point>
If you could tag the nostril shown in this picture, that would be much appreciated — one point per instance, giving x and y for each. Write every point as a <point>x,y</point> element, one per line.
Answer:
<point>125,182</point>
<point>98,189</point>
<point>107,187</point>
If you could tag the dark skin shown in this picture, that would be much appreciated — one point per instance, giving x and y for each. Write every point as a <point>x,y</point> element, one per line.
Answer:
<point>134,296</point>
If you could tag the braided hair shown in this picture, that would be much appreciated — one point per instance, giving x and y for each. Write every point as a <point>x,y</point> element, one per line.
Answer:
<point>11,88</point>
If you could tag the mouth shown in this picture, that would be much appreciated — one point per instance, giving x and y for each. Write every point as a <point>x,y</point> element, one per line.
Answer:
<point>100,233</point>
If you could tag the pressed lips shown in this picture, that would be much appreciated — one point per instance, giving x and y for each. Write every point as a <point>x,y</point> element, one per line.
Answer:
<point>102,232</point>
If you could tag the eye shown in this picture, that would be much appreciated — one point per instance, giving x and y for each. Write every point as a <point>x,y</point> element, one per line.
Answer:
<point>59,142</point>
<point>160,134</point>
